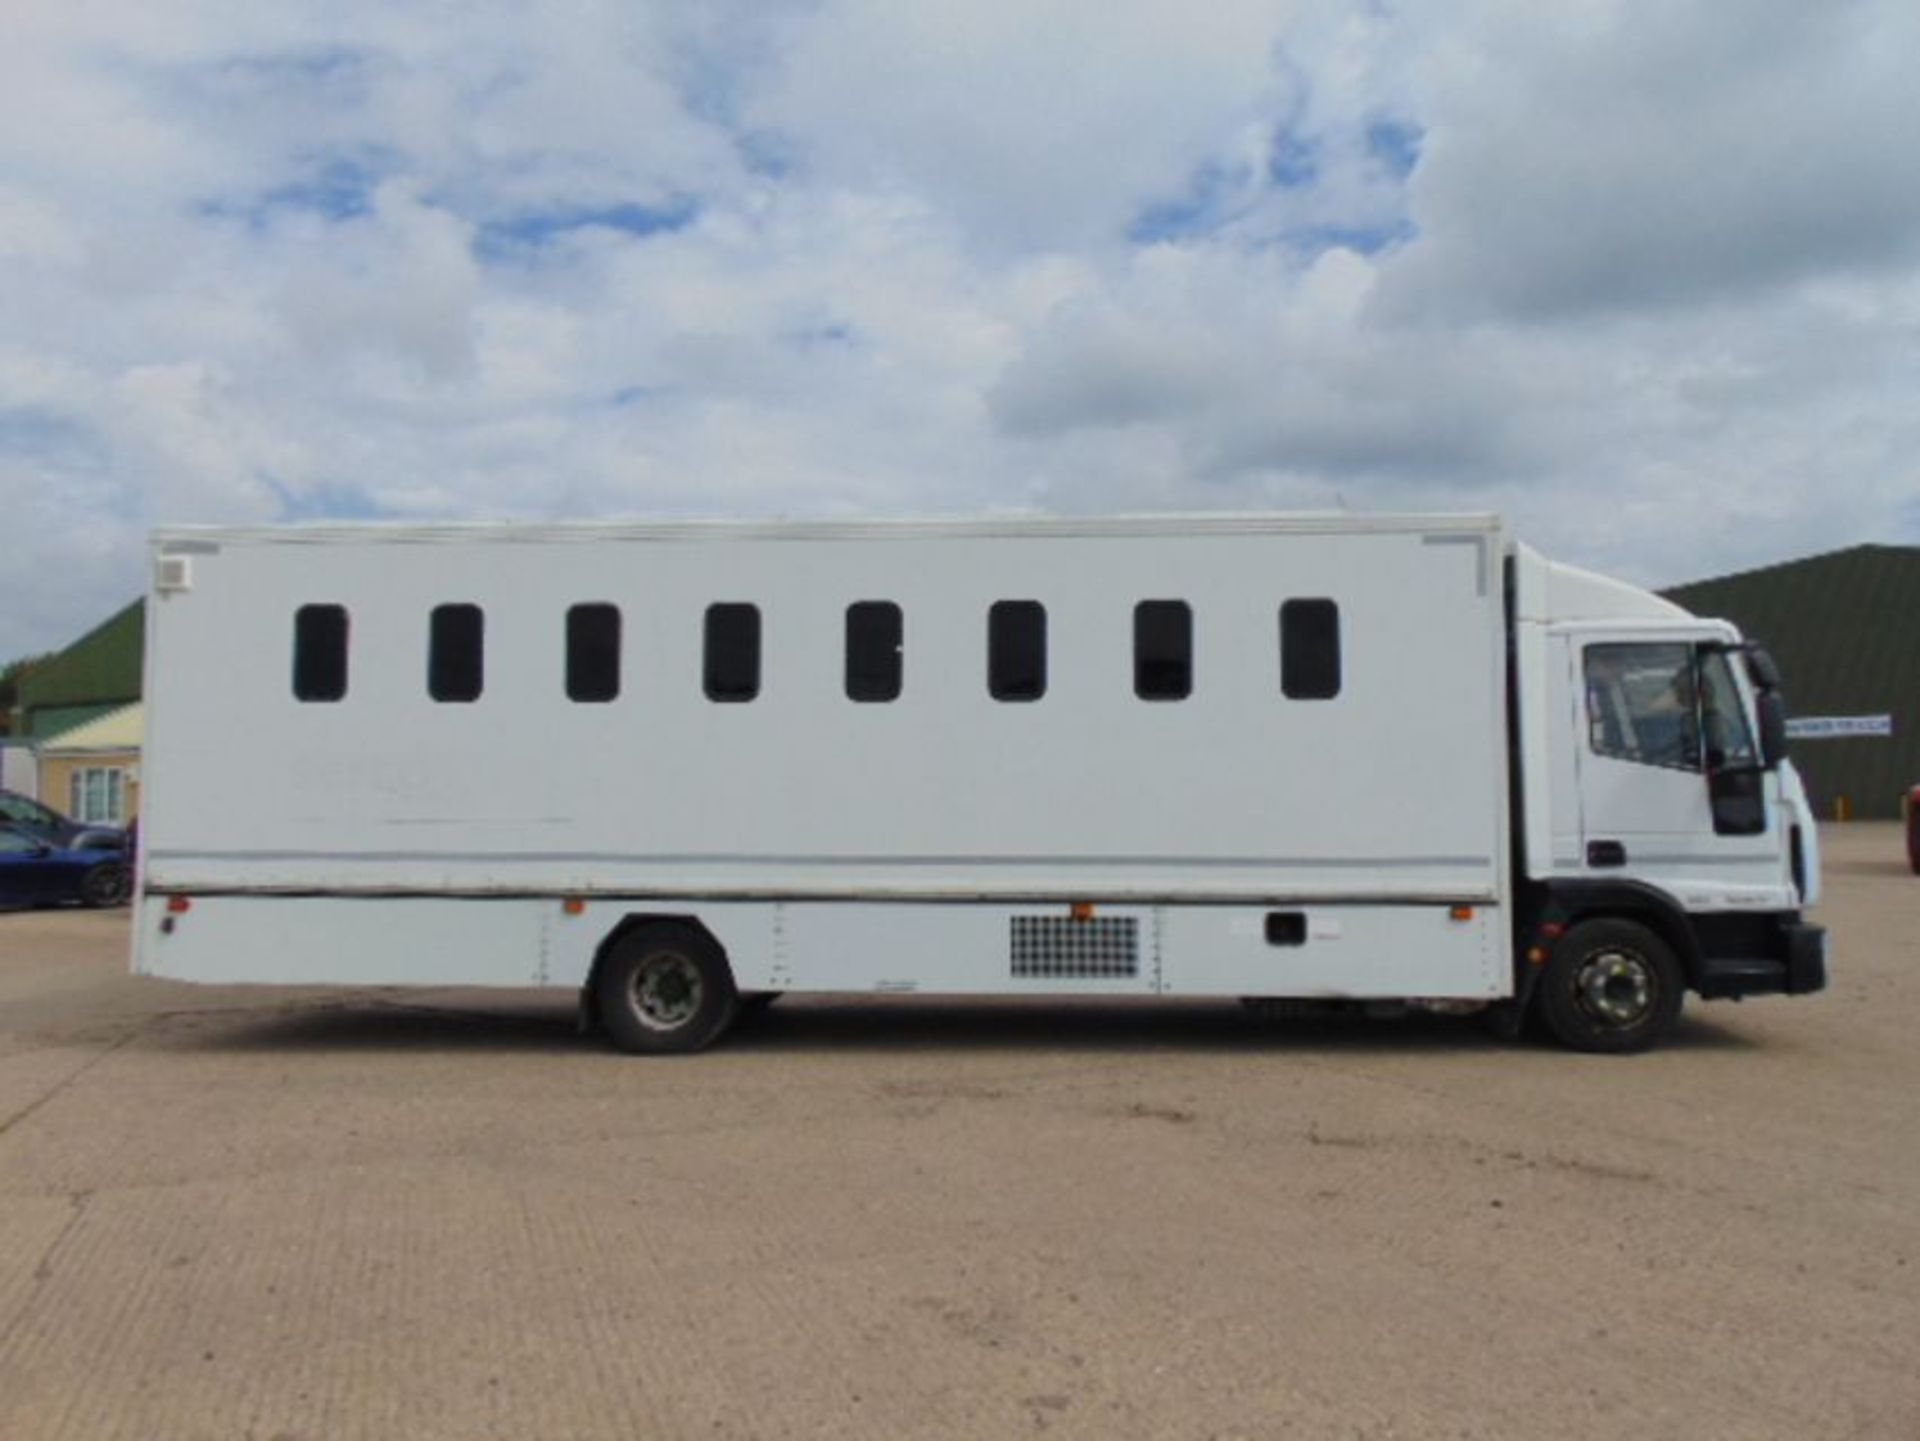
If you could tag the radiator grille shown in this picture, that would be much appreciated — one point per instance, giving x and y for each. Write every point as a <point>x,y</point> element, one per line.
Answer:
<point>1061,947</point>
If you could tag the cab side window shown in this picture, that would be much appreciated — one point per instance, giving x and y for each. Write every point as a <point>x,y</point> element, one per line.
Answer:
<point>1642,706</point>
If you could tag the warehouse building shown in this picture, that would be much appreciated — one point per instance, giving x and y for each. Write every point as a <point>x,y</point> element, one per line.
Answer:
<point>1845,628</point>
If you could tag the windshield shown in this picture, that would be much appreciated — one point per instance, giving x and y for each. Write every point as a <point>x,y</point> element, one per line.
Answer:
<point>1723,715</point>
<point>18,808</point>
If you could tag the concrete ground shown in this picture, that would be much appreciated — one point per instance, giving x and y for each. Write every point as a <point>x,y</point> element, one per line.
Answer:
<point>231,1213</point>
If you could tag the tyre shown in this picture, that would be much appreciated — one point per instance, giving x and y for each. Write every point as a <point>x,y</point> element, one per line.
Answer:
<point>1913,830</point>
<point>1610,985</point>
<point>107,884</point>
<point>665,989</point>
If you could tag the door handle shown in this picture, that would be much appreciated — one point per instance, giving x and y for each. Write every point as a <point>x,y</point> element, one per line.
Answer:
<point>1606,853</point>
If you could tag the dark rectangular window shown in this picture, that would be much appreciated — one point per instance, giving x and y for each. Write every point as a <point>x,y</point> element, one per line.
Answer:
<point>455,641</point>
<point>593,652</point>
<point>320,652</point>
<point>732,671</point>
<point>1310,650</point>
<point>1286,928</point>
<point>1162,650</point>
<point>1017,650</point>
<point>873,650</point>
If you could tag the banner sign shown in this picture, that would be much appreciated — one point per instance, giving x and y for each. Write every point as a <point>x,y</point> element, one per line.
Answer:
<point>1836,727</point>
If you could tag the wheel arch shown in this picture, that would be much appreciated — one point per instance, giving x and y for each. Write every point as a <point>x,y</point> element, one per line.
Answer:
<point>1567,902</point>
<point>624,927</point>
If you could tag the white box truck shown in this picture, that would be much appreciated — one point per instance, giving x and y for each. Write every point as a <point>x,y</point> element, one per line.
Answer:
<point>679,768</point>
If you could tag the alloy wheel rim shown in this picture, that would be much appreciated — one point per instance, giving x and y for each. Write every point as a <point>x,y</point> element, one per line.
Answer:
<point>109,887</point>
<point>666,991</point>
<point>1617,988</point>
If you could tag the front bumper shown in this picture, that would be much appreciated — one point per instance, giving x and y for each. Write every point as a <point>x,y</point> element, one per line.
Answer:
<point>1797,966</point>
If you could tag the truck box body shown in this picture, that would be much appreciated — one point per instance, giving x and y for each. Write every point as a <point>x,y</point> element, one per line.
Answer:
<point>1391,791</point>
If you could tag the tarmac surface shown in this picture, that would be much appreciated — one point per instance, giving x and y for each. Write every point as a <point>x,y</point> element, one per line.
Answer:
<point>256,1213</point>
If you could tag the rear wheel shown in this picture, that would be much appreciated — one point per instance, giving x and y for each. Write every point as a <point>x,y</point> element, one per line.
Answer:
<point>665,989</point>
<point>107,884</point>
<point>1610,985</point>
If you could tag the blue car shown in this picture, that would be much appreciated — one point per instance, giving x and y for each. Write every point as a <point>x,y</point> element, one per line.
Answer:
<point>36,872</point>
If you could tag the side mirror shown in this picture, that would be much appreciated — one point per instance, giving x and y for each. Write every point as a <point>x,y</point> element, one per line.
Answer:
<point>1762,669</point>
<point>1773,728</point>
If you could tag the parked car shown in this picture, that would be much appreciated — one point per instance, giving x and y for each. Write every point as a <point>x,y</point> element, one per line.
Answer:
<point>26,814</point>
<point>34,872</point>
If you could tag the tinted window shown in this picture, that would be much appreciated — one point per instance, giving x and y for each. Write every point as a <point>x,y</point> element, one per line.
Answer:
<point>1310,650</point>
<point>873,650</point>
<point>15,807</point>
<point>455,640</point>
<point>732,671</point>
<point>593,652</point>
<point>1017,650</point>
<point>1641,704</point>
<point>1162,650</point>
<point>320,652</point>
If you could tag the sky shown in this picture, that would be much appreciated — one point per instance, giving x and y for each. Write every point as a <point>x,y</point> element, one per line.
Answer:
<point>1644,278</point>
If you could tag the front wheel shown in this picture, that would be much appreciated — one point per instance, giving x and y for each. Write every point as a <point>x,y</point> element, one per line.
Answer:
<point>665,989</point>
<point>1610,985</point>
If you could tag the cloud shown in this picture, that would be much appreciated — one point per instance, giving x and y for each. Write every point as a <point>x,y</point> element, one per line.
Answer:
<point>1645,281</point>
<point>1651,158</point>
<point>1032,125</point>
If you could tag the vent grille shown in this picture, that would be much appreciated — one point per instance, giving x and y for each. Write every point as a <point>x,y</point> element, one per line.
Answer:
<point>172,573</point>
<point>1059,947</point>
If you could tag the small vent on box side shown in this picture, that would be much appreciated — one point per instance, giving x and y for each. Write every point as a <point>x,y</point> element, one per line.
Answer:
<point>172,572</point>
<point>1059,947</point>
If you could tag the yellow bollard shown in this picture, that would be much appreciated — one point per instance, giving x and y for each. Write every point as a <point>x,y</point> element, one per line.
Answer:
<point>1841,810</point>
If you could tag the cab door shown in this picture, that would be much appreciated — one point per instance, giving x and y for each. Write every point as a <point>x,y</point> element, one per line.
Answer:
<point>1664,730</point>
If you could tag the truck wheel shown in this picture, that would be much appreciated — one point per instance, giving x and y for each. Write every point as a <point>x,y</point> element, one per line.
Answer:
<point>665,989</point>
<point>1610,985</point>
<point>107,884</point>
